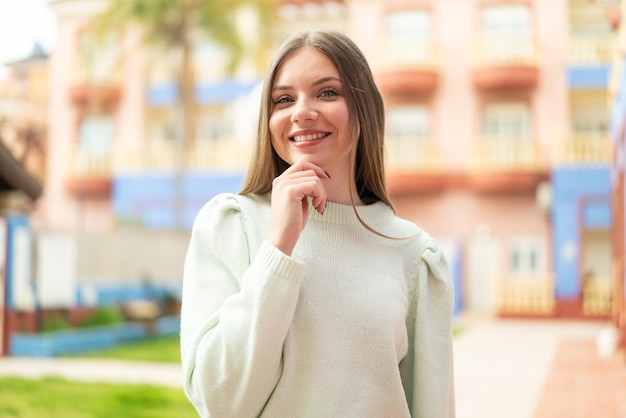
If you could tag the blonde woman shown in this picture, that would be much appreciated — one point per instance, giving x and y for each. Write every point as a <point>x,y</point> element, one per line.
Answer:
<point>305,295</point>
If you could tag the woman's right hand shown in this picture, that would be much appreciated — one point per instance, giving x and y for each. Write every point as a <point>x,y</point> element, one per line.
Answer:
<point>290,206</point>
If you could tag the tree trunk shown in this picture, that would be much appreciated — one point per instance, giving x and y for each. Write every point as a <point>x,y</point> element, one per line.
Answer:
<point>187,102</point>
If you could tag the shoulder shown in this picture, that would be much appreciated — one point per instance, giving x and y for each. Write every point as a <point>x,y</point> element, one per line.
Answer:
<point>434,269</point>
<point>230,204</point>
<point>426,253</point>
<point>226,213</point>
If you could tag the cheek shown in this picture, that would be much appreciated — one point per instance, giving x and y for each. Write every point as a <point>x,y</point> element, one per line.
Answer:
<point>276,137</point>
<point>276,126</point>
<point>341,116</point>
<point>275,133</point>
<point>343,120</point>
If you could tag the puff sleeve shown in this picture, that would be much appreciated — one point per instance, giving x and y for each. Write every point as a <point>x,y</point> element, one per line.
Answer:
<point>236,311</point>
<point>427,369</point>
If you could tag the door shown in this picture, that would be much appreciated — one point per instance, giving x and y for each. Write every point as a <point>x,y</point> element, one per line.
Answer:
<point>482,272</point>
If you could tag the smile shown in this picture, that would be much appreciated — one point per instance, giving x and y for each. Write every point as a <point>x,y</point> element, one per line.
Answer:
<point>310,137</point>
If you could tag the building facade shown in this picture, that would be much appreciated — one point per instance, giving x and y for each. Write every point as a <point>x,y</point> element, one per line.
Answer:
<point>498,143</point>
<point>497,137</point>
<point>22,161</point>
<point>617,100</point>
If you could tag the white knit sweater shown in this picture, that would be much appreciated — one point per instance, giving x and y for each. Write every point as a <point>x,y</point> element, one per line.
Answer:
<point>351,325</point>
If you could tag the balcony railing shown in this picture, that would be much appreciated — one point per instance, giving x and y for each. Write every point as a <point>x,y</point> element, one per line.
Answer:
<point>404,154</point>
<point>590,49</point>
<point>584,149</point>
<point>408,55</point>
<point>84,163</point>
<point>89,173</point>
<point>506,62</point>
<point>503,49</point>
<point>597,296</point>
<point>526,296</point>
<point>222,154</point>
<point>407,68</point>
<point>507,154</point>
<point>94,87</point>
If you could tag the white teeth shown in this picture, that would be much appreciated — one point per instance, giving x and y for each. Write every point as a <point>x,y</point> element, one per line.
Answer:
<point>311,137</point>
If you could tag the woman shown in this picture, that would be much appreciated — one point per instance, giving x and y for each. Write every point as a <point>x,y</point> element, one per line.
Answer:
<point>304,295</point>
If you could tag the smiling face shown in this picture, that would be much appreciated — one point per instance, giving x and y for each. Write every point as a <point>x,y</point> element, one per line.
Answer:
<point>309,119</point>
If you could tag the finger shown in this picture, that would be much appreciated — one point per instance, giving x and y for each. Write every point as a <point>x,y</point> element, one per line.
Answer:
<point>319,204</point>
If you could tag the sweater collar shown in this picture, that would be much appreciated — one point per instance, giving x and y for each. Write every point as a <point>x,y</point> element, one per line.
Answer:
<point>375,213</point>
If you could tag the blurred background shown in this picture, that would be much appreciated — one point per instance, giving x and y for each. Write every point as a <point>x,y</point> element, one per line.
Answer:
<point>119,119</point>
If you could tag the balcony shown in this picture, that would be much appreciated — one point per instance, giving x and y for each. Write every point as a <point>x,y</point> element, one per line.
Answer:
<point>584,149</point>
<point>597,296</point>
<point>407,69</point>
<point>89,93</point>
<point>89,174</point>
<point>504,165</point>
<point>413,166</point>
<point>526,296</point>
<point>223,154</point>
<point>90,88</point>
<point>591,49</point>
<point>506,62</point>
<point>408,154</point>
<point>507,154</point>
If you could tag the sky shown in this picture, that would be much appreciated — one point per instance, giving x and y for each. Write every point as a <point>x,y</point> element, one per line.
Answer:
<point>23,22</point>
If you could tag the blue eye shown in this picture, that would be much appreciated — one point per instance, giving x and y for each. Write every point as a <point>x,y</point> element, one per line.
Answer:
<point>282,99</point>
<point>329,92</point>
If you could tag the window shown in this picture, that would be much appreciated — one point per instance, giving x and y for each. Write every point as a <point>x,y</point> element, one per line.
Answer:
<point>409,35</point>
<point>526,256</point>
<point>590,117</point>
<point>96,135</point>
<point>507,32</point>
<point>162,125</point>
<point>215,122</point>
<point>210,60</point>
<point>408,123</point>
<point>97,61</point>
<point>512,19</point>
<point>506,120</point>
<point>590,122</point>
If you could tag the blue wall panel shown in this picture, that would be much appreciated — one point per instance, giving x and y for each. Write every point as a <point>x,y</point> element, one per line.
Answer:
<point>152,199</point>
<point>224,91</point>
<point>596,77</point>
<point>597,215</point>
<point>570,185</point>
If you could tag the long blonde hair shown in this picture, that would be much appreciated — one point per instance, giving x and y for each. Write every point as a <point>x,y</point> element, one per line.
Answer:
<point>367,118</point>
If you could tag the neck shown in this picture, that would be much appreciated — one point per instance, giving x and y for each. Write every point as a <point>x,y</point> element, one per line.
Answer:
<point>338,190</point>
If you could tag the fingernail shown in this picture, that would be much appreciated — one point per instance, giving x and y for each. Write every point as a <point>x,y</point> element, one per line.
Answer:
<point>326,172</point>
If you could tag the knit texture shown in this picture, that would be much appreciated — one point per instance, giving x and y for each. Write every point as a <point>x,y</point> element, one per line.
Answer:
<point>351,325</point>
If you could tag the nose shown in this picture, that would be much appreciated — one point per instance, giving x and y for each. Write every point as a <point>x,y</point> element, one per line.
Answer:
<point>303,111</point>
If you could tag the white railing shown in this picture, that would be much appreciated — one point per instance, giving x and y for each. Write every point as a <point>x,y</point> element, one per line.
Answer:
<point>589,49</point>
<point>583,149</point>
<point>503,49</point>
<point>526,296</point>
<point>507,153</point>
<point>597,296</point>
<point>407,154</point>
<point>222,154</point>
<point>408,55</point>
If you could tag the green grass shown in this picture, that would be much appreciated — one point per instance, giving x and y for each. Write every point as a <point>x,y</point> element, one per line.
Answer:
<point>58,398</point>
<point>161,349</point>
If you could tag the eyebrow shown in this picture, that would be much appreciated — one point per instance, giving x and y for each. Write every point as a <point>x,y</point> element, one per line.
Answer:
<point>315,83</point>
